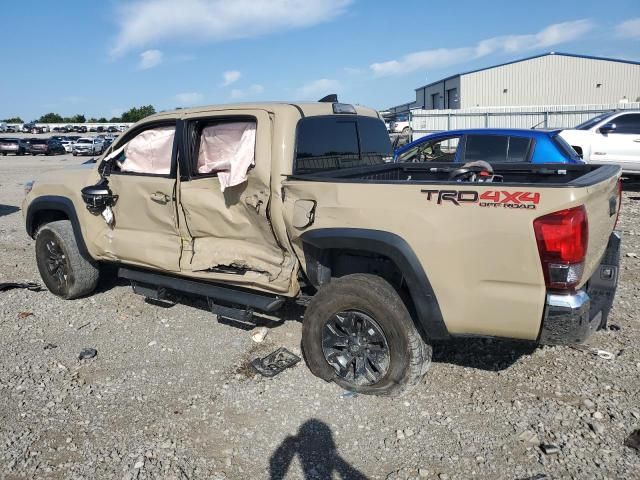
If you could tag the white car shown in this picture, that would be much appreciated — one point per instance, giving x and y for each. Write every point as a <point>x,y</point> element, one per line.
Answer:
<point>400,125</point>
<point>88,146</point>
<point>68,145</point>
<point>612,137</point>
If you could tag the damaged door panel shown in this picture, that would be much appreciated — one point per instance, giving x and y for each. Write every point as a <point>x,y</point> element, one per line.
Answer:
<point>144,230</point>
<point>227,227</point>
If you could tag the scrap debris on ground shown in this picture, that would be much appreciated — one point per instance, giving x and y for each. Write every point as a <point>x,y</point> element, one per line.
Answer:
<point>171,393</point>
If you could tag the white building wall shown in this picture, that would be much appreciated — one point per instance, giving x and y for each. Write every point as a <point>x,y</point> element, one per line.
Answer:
<point>551,80</point>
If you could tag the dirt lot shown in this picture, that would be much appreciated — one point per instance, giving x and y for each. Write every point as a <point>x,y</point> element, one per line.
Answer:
<point>170,394</point>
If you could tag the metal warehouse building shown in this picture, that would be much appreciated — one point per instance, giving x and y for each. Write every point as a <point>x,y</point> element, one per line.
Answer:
<point>549,79</point>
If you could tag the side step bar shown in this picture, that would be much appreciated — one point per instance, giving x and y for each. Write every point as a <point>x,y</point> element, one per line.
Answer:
<point>264,303</point>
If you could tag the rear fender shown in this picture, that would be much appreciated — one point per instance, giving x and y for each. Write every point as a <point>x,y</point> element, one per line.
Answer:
<point>382,243</point>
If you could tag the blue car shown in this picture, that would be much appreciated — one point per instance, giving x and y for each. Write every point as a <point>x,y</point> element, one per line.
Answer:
<point>493,145</point>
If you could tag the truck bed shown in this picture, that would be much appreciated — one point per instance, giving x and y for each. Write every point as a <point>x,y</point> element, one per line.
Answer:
<point>551,175</point>
<point>475,240</point>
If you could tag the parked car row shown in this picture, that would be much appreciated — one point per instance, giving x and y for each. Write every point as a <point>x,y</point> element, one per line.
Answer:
<point>73,144</point>
<point>33,127</point>
<point>85,129</point>
<point>31,146</point>
<point>612,137</point>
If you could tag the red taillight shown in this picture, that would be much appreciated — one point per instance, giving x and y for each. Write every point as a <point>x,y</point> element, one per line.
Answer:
<point>562,244</point>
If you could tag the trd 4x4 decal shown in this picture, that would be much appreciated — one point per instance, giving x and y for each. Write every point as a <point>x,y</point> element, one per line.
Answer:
<point>490,198</point>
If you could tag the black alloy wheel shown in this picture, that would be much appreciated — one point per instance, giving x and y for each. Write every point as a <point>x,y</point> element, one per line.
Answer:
<point>356,347</point>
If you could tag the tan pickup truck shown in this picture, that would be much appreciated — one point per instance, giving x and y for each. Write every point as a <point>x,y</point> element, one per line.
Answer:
<point>256,205</point>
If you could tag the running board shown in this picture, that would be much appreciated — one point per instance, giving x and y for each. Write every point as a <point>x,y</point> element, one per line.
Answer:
<point>264,303</point>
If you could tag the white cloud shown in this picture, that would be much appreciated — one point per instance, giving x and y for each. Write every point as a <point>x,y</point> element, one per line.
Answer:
<point>318,88</point>
<point>150,59</point>
<point>438,58</point>
<point>230,77</point>
<point>188,98</point>
<point>145,22</point>
<point>251,92</point>
<point>629,28</point>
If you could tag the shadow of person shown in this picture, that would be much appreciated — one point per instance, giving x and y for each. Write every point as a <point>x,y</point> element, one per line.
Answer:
<point>8,209</point>
<point>316,450</point>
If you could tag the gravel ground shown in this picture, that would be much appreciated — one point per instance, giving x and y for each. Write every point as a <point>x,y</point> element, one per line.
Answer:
<point>170,394</point>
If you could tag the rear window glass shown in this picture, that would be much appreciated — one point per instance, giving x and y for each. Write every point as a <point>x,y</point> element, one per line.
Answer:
<point>335,142</point>
<point>497,148</point>
<point>490,148</point>
<point>38,142</point>
<point>8,140</point>
<point>564,147</point>
<point>518,149</point>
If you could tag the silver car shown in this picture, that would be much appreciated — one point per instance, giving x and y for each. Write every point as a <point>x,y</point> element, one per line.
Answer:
<point>88,146</point>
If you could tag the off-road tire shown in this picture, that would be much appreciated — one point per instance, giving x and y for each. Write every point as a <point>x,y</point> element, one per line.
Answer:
<point>410,356</point>
<point>80,276</point>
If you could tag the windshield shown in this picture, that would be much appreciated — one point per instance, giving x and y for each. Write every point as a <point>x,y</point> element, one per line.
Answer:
<point>592,122</point>
<point>83,140</point>
<point>335,142</point>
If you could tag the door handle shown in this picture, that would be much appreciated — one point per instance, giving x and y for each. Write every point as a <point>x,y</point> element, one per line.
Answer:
<point>160,197</point>
<point>637,140</point>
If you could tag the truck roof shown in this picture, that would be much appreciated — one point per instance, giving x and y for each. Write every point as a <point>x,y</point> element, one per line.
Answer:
<point>307,109</point>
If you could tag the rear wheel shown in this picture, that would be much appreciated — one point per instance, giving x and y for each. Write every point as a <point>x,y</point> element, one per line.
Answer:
<point>406,130</point>
<point>64,271</point>
<point>358,332</point>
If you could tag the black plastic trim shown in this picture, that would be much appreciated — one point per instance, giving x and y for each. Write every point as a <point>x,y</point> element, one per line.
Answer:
<point>57,204</point>
<point>596,175</point>
<point>264,303</point>
<point>397,250</point>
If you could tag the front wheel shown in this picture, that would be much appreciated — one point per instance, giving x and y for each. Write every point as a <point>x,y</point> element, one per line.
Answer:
<point>63,269</point>
<point>358,332</point>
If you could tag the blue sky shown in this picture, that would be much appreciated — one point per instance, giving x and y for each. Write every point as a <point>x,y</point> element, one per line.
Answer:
<point>100,58</point>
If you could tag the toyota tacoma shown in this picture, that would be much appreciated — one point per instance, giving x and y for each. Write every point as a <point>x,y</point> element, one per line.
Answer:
<point>254,206</point>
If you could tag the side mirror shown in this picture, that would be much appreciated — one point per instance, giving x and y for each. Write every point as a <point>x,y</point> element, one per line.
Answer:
<point>98,197</point>
<point>607,128</point>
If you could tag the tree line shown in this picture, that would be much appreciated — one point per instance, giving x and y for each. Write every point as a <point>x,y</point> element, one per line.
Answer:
<point>130,116</point>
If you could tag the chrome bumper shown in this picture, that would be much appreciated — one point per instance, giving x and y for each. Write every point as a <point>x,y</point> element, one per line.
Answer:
<point>572,318</point>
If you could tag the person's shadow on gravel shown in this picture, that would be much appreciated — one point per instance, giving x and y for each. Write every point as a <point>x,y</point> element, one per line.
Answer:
<point>8,209</point>
<point>317,452</point>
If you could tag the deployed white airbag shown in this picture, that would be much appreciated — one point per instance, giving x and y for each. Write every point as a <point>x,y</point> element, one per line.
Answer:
<point>149,152</point>
<point>228,149</point>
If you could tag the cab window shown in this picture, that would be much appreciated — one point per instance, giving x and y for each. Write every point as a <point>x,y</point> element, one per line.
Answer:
<point>336,142</point>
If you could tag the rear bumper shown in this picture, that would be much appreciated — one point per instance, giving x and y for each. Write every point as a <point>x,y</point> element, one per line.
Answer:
<point>572,318</point>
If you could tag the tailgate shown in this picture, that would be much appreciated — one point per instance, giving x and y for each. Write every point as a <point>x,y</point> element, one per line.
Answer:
<point>602,202</point>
